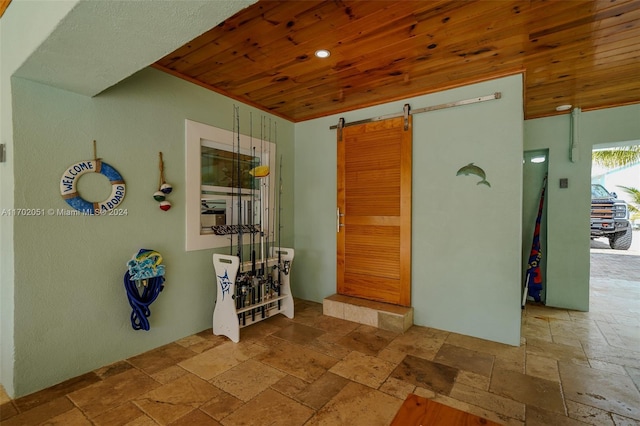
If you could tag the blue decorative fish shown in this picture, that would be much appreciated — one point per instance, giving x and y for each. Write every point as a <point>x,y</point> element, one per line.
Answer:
<point>471,169</point>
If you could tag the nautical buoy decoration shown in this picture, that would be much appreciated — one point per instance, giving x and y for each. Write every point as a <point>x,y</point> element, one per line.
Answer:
<point>164,189</point>
<point>143,282</point>
<point>70,177</point>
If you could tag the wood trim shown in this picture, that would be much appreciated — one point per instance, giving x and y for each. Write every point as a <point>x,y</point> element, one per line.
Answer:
<point>219,91</point>
<point>340,235</point>
<point>405,212</point>
<point>3,6</point>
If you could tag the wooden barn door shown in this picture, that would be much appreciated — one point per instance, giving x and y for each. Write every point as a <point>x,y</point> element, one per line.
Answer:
<point>374,211</point>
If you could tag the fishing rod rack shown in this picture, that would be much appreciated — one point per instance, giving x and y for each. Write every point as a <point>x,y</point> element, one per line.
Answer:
<point>250,291</point>
<point>247,295</point>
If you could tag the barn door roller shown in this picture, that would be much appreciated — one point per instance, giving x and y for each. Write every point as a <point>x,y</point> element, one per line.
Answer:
<point>406,110</point>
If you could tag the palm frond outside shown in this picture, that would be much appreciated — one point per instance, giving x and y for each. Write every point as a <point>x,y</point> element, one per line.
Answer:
<point>617,157</point>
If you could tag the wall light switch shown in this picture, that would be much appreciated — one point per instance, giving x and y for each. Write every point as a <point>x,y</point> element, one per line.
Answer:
<point>564,182</point>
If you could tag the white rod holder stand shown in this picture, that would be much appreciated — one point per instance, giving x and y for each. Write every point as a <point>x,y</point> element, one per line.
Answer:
<point>227,314</point>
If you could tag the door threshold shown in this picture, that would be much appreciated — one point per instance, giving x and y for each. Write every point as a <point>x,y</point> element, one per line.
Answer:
<point>376,314</point>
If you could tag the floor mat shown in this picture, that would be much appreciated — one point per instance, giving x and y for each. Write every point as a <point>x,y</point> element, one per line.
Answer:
<point>419,411</point>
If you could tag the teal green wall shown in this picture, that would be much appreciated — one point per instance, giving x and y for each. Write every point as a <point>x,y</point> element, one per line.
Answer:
<point>61,296</point>
<point>567,255</point>
<point>466,238</point>
<point>68,270</point>
<point>71,310</point>
<point>611,125</point>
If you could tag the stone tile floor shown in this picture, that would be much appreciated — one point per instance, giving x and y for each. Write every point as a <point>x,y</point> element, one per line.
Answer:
<point>572,368</point>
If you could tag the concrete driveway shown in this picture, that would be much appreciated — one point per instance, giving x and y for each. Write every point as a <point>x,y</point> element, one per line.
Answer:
<point>609,267</point>
<point>601,245</point>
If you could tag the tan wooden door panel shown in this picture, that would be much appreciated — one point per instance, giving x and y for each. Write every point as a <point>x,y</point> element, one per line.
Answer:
<point>374,207</point>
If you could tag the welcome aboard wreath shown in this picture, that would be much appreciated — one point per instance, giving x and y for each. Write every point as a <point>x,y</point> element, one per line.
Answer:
<point>70,178</point>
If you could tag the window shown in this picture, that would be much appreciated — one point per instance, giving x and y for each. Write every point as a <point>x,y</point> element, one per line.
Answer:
<point>226,194</point>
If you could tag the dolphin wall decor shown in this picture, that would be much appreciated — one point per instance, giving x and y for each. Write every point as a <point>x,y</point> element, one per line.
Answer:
<point>472,169</point>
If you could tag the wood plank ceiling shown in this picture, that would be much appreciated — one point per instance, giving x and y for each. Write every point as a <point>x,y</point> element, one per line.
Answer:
<point>585,53</point>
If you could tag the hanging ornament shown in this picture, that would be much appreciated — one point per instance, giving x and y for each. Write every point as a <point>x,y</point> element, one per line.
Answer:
<point>166,188</point>
<point>163,190</point>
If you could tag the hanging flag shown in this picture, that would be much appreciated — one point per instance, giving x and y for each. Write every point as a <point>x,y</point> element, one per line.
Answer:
<point>533,277</point>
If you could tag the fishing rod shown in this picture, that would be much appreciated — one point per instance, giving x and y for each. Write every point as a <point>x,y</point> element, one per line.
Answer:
<point>262,129</point>
<point>253,200</point>
<point>254,203</point>
<point>240,288</point>
<point>287,263</point>
<point>266,209</point>
<point>239,187</point>
<point>233,121</point>
<point>279,229</point>
<point>279,206</point>
<point>280,215</point>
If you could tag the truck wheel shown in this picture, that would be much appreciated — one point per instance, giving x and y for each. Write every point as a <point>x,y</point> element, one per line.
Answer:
<point>621,240</point>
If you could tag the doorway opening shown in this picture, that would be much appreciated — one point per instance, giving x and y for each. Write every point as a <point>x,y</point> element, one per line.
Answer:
<point>534,171</point>
<point>615,199</point>
<point>614,274</point>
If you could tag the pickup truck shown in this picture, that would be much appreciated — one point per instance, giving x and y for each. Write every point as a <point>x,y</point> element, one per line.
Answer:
<point>610,218</point>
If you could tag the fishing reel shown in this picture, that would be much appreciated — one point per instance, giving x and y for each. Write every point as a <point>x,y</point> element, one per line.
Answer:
<point>286,266</point>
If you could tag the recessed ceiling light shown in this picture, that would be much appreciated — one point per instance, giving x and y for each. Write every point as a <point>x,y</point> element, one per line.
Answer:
<point>322,53</point>
<point>563,108</point>
<point>540,159</point>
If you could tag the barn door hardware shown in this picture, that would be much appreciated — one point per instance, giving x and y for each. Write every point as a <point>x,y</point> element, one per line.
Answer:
<point>407,110</point>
